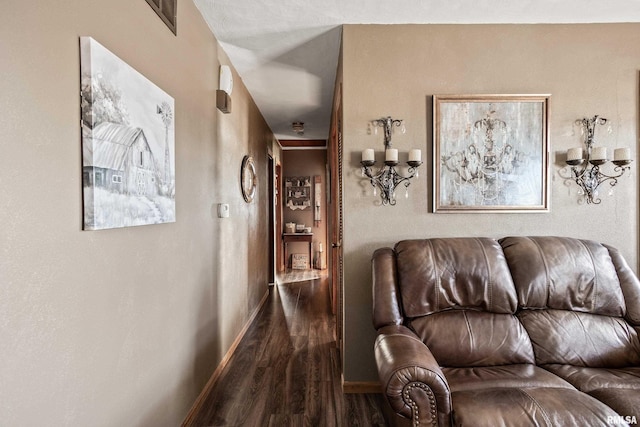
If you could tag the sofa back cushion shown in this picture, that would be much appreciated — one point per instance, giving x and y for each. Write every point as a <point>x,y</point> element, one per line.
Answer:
<point>453,273</point>
<point>565,274</point>
<point>581,339</point>
<point>571,302</point>
<point>458,296</point>
<point>467,338</point>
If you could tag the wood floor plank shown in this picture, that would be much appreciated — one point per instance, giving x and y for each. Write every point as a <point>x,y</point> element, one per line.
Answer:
<point>286,370</point>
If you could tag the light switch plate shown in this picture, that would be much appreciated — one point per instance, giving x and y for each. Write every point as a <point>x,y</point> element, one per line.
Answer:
<point>223,210</point>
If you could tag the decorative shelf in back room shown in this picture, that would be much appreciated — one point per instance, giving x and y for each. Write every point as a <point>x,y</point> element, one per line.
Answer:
<point>298,192</point>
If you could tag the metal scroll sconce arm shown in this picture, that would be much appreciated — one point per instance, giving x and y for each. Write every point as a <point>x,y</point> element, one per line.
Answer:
<point>387,179</point>
<point>586,171</point>
<point>589,179</point>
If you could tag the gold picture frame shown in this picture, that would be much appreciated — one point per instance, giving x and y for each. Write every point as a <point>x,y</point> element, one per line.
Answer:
<point>490,153</point>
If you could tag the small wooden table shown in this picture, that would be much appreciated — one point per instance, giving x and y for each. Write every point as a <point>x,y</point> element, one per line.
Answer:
<point>297,237</point>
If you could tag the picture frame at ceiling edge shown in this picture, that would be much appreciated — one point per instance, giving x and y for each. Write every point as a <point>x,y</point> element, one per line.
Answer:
<point>248,179</point>
<point>167,10</point>
<point>491,153</point>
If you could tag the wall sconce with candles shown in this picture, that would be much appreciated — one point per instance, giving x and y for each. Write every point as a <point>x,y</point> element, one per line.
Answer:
<point>388,178</point>
<point>586,169</point>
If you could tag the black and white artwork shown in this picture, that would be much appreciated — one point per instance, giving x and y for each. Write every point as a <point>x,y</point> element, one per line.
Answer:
<point>128,144</point>
<point>490,153</point>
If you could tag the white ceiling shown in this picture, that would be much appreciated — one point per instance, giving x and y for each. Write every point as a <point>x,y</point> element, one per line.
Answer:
<point>286,51</point>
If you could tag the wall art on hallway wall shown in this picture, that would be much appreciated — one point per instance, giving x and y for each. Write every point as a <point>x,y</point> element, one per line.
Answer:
<point>128,143</point>
<point>491,153</point>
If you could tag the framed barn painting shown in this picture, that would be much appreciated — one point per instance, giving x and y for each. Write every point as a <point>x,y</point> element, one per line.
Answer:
<point>128,144</point>
<point>491,153</point>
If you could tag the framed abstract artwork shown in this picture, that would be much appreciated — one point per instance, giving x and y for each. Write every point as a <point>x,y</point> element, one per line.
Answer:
<point>128,143</point>
<point>490,153</point>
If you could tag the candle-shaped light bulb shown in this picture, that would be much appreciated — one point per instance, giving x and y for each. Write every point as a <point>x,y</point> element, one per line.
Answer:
<point>574,154</point>
<point>391,155</point>
<point>415,155</point>
<point>622,154</point>
<point>368,155</point>
<point>599,153</point>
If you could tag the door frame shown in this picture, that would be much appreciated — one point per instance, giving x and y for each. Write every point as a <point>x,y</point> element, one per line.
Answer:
<point>273,194</point>
<point>336,218</point>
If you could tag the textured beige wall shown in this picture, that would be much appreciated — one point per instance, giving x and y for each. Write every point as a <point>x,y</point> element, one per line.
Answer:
<point>119,327</point>
<point>395,70</point>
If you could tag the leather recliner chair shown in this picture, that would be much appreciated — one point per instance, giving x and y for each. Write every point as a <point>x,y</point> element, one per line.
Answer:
<point>539,331</point>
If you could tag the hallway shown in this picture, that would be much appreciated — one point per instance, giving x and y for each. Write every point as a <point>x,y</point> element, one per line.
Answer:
<point>286,369</point>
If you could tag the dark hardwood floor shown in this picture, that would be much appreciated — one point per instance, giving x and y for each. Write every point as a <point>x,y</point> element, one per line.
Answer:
<point>286,369</point>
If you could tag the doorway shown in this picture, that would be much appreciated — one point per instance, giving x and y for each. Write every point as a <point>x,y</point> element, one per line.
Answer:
<point>304,211</point>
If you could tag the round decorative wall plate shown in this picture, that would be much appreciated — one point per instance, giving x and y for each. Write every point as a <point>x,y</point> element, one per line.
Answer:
<point>248,178</point>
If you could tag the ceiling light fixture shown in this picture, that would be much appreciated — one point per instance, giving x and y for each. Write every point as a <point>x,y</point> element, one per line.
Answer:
<point>298,127</point>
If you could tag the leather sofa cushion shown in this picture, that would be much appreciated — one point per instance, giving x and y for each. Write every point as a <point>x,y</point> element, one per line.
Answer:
<point>509,376</point>
<point>617,388</point>
<point>625,402</point>
<point>581,339</point>
<point>460,338</point>
<point>564,273</point>
<point>441,274</point>
<point>592,379</point>
<point>539,406</point>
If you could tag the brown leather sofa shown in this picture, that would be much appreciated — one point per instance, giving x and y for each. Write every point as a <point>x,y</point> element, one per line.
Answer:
<point>521,331</point>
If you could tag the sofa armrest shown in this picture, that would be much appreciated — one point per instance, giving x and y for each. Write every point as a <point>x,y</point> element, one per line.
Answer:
<point>412,381</point>
<point>386,296</point>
